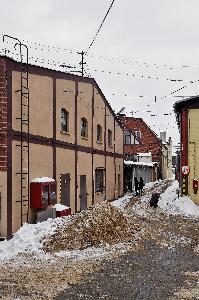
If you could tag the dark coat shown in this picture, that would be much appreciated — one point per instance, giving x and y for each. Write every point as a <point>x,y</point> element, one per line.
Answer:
<point>141,183</point>
<point>136,183</point>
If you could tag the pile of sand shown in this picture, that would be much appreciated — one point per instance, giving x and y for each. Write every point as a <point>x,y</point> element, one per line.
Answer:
<point>100,225</point>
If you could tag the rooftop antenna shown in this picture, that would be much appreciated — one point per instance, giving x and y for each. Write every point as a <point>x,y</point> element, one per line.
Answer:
<point>121,111</point>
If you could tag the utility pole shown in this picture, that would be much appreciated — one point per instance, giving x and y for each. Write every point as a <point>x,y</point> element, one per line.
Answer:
<point>82,63</point>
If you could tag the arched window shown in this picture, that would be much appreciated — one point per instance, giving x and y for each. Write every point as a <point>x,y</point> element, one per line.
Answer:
<point>64,120</point>
<point>99,133</point>
<point>84,128</point>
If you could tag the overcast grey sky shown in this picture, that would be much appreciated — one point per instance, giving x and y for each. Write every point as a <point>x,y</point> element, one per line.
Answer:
<point>144,39</point>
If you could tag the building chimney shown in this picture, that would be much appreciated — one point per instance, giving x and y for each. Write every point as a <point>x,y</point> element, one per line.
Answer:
<point>163,136</point>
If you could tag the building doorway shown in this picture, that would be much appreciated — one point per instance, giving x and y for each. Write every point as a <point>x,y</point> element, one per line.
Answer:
<point>65,189</point>
<point>83,193</point>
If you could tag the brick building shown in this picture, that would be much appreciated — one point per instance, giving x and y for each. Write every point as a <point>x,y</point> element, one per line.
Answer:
<point>142,142</point>
<point>58,126</point>
<point>139,138</point>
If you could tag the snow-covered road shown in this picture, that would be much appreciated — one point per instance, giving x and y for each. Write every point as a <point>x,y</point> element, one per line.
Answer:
<point>171,228</point>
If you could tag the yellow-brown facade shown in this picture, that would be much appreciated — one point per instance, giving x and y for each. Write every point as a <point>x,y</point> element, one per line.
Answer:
<point>54,152</point>
<point>187,112</point>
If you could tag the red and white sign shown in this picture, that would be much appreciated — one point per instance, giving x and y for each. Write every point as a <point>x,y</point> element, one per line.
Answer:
<point>185,170</point>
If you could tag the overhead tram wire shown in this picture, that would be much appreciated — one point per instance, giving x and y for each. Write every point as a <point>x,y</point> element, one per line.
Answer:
<point>49,62</point>
<point>170,94</point>
<point>123,61</point>
<point>119,60</point>
<point>101,57</point>
<point>57,64</point>
<point>126,61</point>
<point>91,44</point>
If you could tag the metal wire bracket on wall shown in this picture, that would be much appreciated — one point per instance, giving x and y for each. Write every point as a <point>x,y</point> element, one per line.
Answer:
<point>24,115</point>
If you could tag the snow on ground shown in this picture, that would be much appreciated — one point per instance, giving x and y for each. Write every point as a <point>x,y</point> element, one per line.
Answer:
<point>184,206</point>
<point>122,202</point>
<point>29,238</point>
<point>152,184</point>
<point>168,202</point>
<point>94,252</point>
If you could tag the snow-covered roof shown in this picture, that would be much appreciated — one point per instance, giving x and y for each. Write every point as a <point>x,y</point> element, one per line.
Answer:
<point>43,179</point>
<point>139,163</point>
<point>144,154</point>
<point>186,102</point>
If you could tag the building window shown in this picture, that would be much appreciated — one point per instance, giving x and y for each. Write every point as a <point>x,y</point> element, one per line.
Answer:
<point>99,133</point>
<point>127,138</point>
<point>110,138</point>
<point>84,128</point>
<point>64,120</point>
<point>99,180</point>
<point>138,134</point>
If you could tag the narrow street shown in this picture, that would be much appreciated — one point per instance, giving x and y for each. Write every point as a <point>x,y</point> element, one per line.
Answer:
<point>154,273</point>
<point>160,261</point>
<point>165,265</point>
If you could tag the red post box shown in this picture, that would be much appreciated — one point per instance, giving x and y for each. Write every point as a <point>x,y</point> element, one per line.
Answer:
<point>43,194</point>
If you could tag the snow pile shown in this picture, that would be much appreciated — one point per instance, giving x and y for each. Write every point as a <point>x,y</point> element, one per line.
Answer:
<point>152,184</point>
<point>60,207</point>
<point>122,202</point>
<point>170,203</point>
<point>43,179</point>
<point>100,225</point>
<point>30,237</point>
<point>94,252</point>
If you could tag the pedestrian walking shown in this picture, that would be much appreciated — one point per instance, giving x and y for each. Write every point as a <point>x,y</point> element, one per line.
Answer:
<point>130,186</point>
<point>141,185</point>
<point>136,184</point>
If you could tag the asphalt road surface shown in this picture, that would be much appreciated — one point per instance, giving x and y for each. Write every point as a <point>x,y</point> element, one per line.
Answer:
<point>152,274</point>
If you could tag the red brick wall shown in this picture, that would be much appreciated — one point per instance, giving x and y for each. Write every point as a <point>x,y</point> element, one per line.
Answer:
<point>149,142</point>
<point>3,116</point>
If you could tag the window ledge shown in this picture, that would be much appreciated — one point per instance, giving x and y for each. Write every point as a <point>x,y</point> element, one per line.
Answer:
<point>110,146</point>
<point>64,132</point>
<point>84,138</point>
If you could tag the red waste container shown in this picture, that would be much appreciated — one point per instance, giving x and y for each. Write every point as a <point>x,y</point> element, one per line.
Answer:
<point>63,213</point>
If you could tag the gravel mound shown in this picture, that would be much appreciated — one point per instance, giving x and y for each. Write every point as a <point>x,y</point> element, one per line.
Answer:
<point>100,225</point>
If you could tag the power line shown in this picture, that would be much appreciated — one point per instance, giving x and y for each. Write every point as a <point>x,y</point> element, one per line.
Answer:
<point>170,94</point>
<point>49,63</point>
<point>58,64</point>
<point>141,76</point>
<point>100,26</point>
<point>101,57</point>
<point>127,61</point>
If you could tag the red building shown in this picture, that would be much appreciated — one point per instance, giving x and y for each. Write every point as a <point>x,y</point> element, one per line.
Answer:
<point>139,138</point>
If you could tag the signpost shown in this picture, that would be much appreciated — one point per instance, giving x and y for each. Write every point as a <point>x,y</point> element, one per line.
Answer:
<point>185,170</point>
